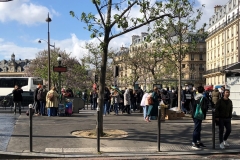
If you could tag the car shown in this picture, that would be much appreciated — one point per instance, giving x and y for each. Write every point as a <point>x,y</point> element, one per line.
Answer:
<point>7,101</point>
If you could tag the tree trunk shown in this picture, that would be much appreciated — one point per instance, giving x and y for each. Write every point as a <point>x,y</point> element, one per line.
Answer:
<point>179,84</point>
<point>103,79</point>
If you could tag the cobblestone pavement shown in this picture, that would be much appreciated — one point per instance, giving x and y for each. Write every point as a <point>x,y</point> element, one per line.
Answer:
<point>7,122</point>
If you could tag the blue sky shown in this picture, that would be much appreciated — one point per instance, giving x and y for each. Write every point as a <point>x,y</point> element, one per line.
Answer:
<point>22,24</point>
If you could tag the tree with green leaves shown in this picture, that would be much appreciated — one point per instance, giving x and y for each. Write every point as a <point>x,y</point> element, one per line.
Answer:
<point>105,24</point>
<point>75,77</point>
<point>181,35</point>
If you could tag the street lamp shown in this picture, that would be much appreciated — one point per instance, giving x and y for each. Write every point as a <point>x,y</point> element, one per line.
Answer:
<point>59,59</point>
<point>40,41</point>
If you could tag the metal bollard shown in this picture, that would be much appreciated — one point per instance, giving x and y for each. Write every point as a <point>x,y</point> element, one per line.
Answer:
<point>213,128</point>
<point>159,128</point>
<point>98,129</point>
<point>30,127</point>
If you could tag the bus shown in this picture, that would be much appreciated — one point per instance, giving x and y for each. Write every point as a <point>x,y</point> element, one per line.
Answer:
<point>26,83</point>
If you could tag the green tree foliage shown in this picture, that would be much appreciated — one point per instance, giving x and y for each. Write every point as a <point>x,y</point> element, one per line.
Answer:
<point>102,25</point>
<point>75,77</point>
<point>181,35</point>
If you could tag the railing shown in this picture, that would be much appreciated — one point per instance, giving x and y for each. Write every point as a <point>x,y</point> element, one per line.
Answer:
<point>219,69</point>
<point>223,25</point>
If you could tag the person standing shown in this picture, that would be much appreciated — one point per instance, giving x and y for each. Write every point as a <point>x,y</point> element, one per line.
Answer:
<point>203,102</point>
<point>106,101</point>
<point>94,98</point>
<point>52,102</point>
<point>127,101</point>
<point>223,114</point>
<point>152,108</point>
<point>116,100</point>
<point>36,101</point>
<point>41,97</point>
<point>17,98</point>
<point>216,95</point>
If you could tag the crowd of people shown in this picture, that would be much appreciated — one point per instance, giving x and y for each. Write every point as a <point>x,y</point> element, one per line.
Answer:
<point>129,100</point>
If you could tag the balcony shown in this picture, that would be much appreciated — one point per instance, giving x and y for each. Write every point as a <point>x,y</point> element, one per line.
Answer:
<point>219,69</point>
<point>201,69</point>
<point>223,25</point>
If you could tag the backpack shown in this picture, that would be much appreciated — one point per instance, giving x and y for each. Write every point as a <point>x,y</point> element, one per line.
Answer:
<point>40,95</point>
<point>51,96</point>
<point>150,100</point>
<point>199,113</point>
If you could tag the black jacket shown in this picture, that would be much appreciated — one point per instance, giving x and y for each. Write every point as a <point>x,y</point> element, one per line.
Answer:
<point>224,108</point>
<point>204,104</point>
<point>17,95</point>
<point>35,94</point>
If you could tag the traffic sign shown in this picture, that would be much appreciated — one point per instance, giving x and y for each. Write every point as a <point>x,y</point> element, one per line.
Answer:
<point>59,69</point>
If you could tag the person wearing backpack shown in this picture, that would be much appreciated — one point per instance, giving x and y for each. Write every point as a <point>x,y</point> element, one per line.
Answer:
<point>41,97</point>
<point>201,102</point>
<point>52,102</point>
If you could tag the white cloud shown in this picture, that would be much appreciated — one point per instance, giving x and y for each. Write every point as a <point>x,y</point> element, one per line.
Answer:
<point>7,48</point>
<point>24,12</point>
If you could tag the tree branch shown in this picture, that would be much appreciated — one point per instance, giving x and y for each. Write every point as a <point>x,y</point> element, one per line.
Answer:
<point>140,25</point>
<point>100,13</point>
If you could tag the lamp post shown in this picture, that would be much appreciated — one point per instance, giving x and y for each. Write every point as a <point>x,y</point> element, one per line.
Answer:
<point>49,72</point>
<point>59,59</point>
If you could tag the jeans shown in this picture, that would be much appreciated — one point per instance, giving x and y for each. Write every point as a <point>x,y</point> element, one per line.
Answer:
<point>115,105</point>
<point>94,104</point>
<point>105,107</point>
<point>133,105</point>
<point>17,104</point>
<point>183,108</point>
<point>197,130</point>
<point>42,107</point>
<point>224,122</point>
<point>145,111</point>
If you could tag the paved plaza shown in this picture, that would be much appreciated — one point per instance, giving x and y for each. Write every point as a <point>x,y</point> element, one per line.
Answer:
<point>52,136</point>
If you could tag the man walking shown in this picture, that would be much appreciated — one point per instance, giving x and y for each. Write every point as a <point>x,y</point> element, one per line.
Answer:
<point>202,102</point>
<point>17,98</point>
<point>223,114</point>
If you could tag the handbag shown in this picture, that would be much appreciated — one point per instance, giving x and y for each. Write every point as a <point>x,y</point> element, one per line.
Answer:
<point>150,100</point>
<point>198,113</point>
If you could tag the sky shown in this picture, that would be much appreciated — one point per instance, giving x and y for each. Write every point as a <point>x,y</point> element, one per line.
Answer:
<point>22,24</point>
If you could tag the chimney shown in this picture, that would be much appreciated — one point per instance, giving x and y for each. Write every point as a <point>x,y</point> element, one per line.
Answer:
<point>217,8</point>
<point>134,37</point>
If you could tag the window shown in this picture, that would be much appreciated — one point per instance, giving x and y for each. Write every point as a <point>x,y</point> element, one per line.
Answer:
<point>183,65</point>
<point>191,76</point>
<point>192,66</point>
<point>232,61</point>
<point>200,75</point>
<point>237,43</point>
<point>183,75</point>
<point>200,56</point>
<point>10,82</point>
<point>192,56</point>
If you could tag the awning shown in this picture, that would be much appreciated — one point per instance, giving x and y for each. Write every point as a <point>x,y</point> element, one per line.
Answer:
<point>234,68</point>
<point>208,88</point>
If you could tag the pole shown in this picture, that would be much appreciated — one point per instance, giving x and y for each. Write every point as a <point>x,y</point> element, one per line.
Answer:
<point>159,128</point>
<point>98,129</point>
<point>30,129</point>
<point>49,73</point>
<point>213,128</point>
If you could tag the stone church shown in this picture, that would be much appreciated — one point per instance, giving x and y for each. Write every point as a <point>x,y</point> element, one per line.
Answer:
<point>13,67</point>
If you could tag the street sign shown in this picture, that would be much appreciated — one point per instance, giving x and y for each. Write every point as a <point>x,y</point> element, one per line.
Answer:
<point>59,69</point>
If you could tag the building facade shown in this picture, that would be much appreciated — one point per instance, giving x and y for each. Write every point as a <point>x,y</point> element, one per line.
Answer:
<point>13,67</point>
<point>193,66</point>
<point>222,42</point>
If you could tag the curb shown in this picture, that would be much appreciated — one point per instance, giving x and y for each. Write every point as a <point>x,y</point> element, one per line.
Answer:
<point>5,155</point>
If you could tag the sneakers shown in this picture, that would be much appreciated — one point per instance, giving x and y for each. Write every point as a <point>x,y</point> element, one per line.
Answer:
<point>196,146</point>
<point>222,146</point>
<point>226,144</point>
<point>201,145</point>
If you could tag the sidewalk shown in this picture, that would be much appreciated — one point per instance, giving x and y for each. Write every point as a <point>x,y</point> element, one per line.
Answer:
<point>52,137</point>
